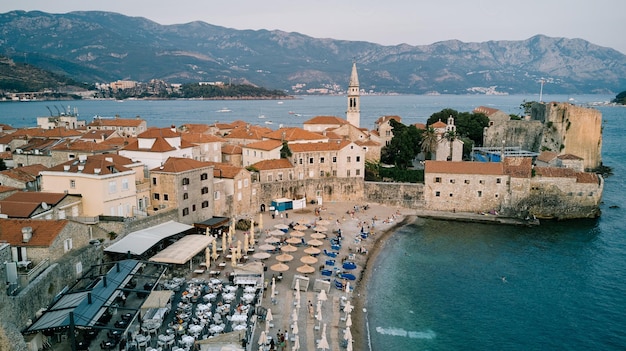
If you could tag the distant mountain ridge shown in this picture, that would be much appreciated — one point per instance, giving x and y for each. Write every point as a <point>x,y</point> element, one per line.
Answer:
<point>103,46</point>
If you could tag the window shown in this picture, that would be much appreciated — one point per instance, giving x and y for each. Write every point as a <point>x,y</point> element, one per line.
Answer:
<point>238,196</point>
<point>185,181</point>
<point>310,159</point>
<point>467,181</point>
<point>334,172</point>
<point>358,172</point>
<point>480,193</point>
<point>193,208</point>
<point>300,161</point>
<point>347,173</point>
<point>79,268</point>
<point>67,245</point>
<point>185,196</point>
<point>216,195</point>
<point>300,175</point>
<point>204,176</point>
<point>166,197</point>
<point>349,159</point>
<point>321,173</point>
<point>245,183</point>
<point>270,178</point>
<point>280,176</point>
<point>185,211</point>
<point>290,175</point>
<point>72,183</point>
<point>358,159</point>
<point>451,181</point>
<point>124,184</point>
<point>437,179</point>
<point>157,196</point>
<point>481,181</point>
<point>204,190</point>
<point>321,160</point>
<point>334,159</point>
<point>437,193</point>
<point>154,181</point>
<point>112,187</point>
<point>451,195</point>
<point>205,204</point>
<point>239,184</point>
<point>498,181</point>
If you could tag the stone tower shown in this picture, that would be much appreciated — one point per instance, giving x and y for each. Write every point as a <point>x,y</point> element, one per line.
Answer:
<point>353,114</point>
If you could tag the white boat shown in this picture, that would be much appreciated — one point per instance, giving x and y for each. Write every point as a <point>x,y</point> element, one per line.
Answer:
<point>268,122</point>
<point>261,116</point>
<point>280,102</point>
<point>224,110</point>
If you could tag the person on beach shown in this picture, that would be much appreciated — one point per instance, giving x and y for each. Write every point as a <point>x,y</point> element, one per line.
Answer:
<point>310,309</point>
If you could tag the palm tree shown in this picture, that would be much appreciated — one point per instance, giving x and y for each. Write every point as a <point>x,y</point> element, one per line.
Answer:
<point>450,136</point>
<point>429,142</point>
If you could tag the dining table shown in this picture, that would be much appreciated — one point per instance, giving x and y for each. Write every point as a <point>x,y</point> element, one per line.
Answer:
<point>249,289</point>
<point>195,329</point>
<point>240,327</point>
<point>188,340</point>
<point>248,297</point>
<point>216,329</point>
<point>238,318</point>
<point>228,297</point>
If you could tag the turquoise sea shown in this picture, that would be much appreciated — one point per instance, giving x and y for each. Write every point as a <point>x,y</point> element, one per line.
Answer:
<point>456,286</point>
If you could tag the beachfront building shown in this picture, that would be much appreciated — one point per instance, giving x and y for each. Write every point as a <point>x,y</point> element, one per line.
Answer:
<point>233,190</point>
<point>261,150</point>
<point>342,159</point>
<point>206,147</point>
<point>154,146</point>
<point>276,170</point>
<point>107,183</point>
<point>183,184</point>
<point>384,129</point>
<point>127,127</point>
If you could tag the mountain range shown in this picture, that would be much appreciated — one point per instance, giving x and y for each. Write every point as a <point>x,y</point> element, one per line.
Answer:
<point>96,46</point>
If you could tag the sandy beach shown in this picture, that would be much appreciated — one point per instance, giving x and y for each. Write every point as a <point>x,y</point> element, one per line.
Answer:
<point>379,220</point>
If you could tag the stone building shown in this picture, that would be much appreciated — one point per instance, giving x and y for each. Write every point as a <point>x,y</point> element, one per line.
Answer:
<point>128,127</point>
<point>275,170</point>
<point>154,146</point>
<point>353,113</point>
<point>184,184</point>
<point>260,150</point>
<point>233,192</point>
<point>322,123</point>
<point>334,159</point>
<point>495,116</point>
<point>41,205</point>
<point>206,147</point>
<point>384,129</point>
<point>24,177</point>
<point>232,155</point>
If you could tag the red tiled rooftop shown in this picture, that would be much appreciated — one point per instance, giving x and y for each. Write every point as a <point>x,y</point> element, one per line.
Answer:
<point>463,167</point>
<point>267,165</point>
<point>44,231</point>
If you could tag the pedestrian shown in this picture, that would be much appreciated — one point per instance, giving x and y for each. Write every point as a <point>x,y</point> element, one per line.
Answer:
<point>310,309</point>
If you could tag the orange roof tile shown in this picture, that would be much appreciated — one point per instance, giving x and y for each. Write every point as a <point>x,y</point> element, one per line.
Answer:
<point>59,133</point>
<point>309,147</point>
<point>294,134</point>
<point>438,124</point>
<point>116,122</point>
<point>159,133</point>
<point>105,163</point>
<point>266,165</point>
<point>250,133</point>
<point>224,170</point>
<point>569,157</point>
<point>83,145</point>
<point>24,173</point>
<point>266,145</point>
<point>420,126</point>
<point>180,164</point>
<point>463,167</point>
<point>230,149</point>
<point>326,120</point>
<point>547,156</point>
<point>518,167</point>
<point>384,119</point>
<point>44,231</point>
<point>23,204</point>
<point>560,172</point>
<point>200,138</point>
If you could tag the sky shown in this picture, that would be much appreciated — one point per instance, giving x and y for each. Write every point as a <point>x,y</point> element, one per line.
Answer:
<point>390,22</point>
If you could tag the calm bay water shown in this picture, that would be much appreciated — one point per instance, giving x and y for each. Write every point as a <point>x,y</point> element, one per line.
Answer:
<point>439,285</point>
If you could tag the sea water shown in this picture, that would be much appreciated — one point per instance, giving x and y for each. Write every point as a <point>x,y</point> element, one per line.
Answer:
<point>444,285</point>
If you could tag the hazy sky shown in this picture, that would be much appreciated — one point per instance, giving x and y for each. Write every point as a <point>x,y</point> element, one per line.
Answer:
<point>391,22</point>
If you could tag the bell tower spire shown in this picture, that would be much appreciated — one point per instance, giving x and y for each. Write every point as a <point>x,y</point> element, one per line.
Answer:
<point>353,114</point>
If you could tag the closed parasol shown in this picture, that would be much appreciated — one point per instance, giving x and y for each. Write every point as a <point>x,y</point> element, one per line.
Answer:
<point>308,259</point>
<point>268,319</point>
<point>305,269</point>
<point>214,250</point>
<point>323,342</point>
<point>318,236</point>
<point>289,248</point>
<point>315,242</point>
<point>284,257</point>
<point>279,267</point>
<point>312,250</point>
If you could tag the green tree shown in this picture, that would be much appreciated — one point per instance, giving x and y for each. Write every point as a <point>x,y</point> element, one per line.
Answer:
<point>620,98</point>
<point>429,142</point>
<point>450,137</point>
<point>3,166</point>
<point>285,152</point>
<point>403,147</point>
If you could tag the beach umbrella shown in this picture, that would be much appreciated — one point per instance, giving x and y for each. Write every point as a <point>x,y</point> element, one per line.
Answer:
<point>289,248</point>
<point>348,288</point>
<point>296,234</point>
<point>245,243</point>
<point>267,247</point>
<point>318,315</point>
<point>322,295</point>
<point>305,269</point>
<point>273,287</point>
<point>308,259</point>
<point>323,342</point>
<point>300,227</point>
<point>207,253</point>
<point>261,255</point>
<point>295,328</point>
<point>276,232</point>
<point>347,334</point>
<point>348,308</point>
<point>252,226</point>
<point>318,236</point>
<point>268,319</point>
<point>233,259</point>
<point>279,267</point>
<point>296,343</point>
<point>294,240</point>
<point>263,338</point>
<point>349,320</point>
<point>238,252</point>
<point>349,346</point>
<point>230,237</point>
<point>294,316</point>
<point>312,250</point>
<point>214,250</point>
<point>260,221</point>
<point>315,242</point>
<point>224,243</point>
<point>322,222</point>
<point>281,226</point>
<point>272,240</point>
<point>320,228</point>
<point>297,297</point>
<point>284,257</point>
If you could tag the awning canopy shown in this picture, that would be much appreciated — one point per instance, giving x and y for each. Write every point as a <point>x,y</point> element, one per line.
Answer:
<point>213,222</point>
<point>183,250</point>
<point>157,299</point>
<point>87,305</point>
<point>137,243</point>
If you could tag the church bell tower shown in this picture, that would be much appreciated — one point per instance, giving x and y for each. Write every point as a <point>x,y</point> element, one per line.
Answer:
<point>353,114</point>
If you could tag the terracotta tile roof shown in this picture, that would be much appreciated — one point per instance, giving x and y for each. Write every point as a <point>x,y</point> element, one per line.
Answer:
<point>438,124</point>
<point>105,163</point>
<point>368,142</point>
<point>586,177</point>
<point>569,157</point>
<point>118,143</point>
<point>116,122</point>
<point>250,133</point>
<point>326,120</point>
<point>312,147</point>
<point>6,155</point>
<point>224,170</point>
<point>152,133</point>
<point>195,128</point>
<point>560,172</point>
<point>546,156</point>
<point>23,204</point>
<point>463,167</point>
<point>59,133</point>
<point>487,111</point>
<point>6,189</point>
<point>375,132</point>
<point>518,167</point>
<point>294,134</point>
<point>330,134</point>
<point>97,134</point>
<point>200,138</point>
<point>420,126</point>
<point>7,138</point>
<point>267,165</point>
<point>6,127</point>
<point>44,231</point>
<point>82,145</point>
<point>27,132</point>
<point>24,173</point>
<point>266,145</point>
<point>180,164</point>
<point>230,149</point>
<point>38,144</point>
<point>385,119</point>
<point>159,145</point>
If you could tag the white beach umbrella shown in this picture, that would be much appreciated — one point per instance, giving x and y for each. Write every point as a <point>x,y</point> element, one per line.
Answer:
<point>300,227</point>
<point>295,328</point>
<point>276,232</point>
<point>245,243</point>
<point>260,221</point>
<point>271,240</point>
<point>294,315</point>
<point>347,335</point>
<point>252,228</point>
<point>296,286</point>
<point>267,247</point>
<point>207,253</point>
<point>284,257</point>
<point>349,320</point>
<point>268,319</point>
<point>347,287</point>
<point>297,234</point>
<point>261,255</point>
<point>224,243</point>
<point>263,338</point>
<point>322,295</point>
<point>296,343</point>
<point>348,308</point>
<point>288,248</point>
<point>273,287</point>
<point>315,242</point>
<point>318,315</point>
<point>281,226</point>
<point>214,250</point>
<point>233,259</point>
<point>322,344</point>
